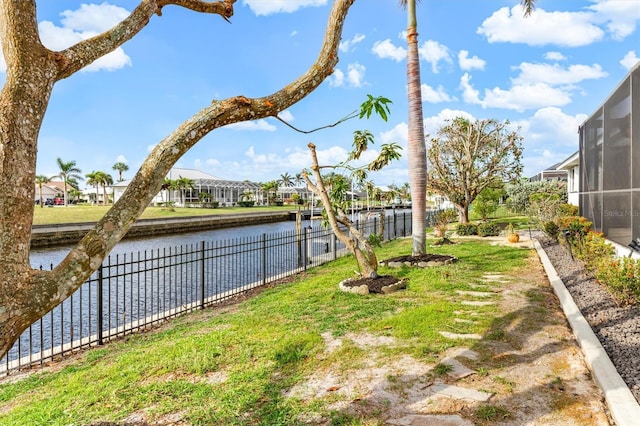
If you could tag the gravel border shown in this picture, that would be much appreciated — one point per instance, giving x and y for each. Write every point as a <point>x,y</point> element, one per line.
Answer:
<point>616,327</point>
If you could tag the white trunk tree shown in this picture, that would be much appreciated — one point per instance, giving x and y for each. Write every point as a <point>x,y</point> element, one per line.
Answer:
<point>32,71</point>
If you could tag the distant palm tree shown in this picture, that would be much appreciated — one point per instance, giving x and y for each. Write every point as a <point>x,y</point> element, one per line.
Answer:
<point>120,167</point>
<point>298,179</point>
<point>92,180</point>
<point>182,184</point>
<point>41,180</point>
<point>104,179</point>
<point>286,180</point>
<point>68,173</point>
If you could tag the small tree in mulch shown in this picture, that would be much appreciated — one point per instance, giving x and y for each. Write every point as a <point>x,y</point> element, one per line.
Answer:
<point>443,219</point>
<point>332,192</point>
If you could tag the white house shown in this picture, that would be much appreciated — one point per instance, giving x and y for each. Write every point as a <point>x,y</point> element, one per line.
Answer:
<point>572,166</point>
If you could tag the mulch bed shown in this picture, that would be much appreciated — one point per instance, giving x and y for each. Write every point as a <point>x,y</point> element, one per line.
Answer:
<point>374,284</point>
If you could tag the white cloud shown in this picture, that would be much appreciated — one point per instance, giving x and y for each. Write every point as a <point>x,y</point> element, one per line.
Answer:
<point>467,64</point>
<point>621,18</point>
<point>629,60</point>
<point>434,96</point>
<point>346,45</point>
<point>354,76</point>
<point>554,56</point>
<point>434,123</point>
<point>556,75</point>
<point>267,7</point>
<point>433,52</point>
<point>518,97</point>
<point>550,126</point>
<point>541,28</point>
<point>93,18</point>
<point>286,116</point>
<point>398,134</point>
<point>121,159</point>
<point>256,125</point>
<point>337,78</point>
<point>385,49</point>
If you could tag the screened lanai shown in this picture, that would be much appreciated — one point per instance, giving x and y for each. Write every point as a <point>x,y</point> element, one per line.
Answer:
<point>225,192</point>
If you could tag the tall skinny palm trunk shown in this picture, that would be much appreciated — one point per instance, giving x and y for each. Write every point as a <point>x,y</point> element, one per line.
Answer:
<point>417,152</point>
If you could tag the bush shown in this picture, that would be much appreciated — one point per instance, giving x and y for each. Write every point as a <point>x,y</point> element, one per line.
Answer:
<point>467,229</point>
<point>246,203</point>
<point>488,229</point>
<point>551,229</point>
<point>622,276</point>
<point>595,250</point>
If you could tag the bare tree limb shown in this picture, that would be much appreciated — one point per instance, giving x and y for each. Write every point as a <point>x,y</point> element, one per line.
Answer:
<point>85,52</point>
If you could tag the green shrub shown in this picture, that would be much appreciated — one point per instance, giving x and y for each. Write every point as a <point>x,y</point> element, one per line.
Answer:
<point>467,229</point>
<point>551,229</point>
<point>595,251</point>
<point>622,277</point>
<point>569,210</point>
<point>246,203</point>
<point>488,229</point>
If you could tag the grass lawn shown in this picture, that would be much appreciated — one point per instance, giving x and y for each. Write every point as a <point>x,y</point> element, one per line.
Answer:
<point>233,365</point>
<point>87,213</point>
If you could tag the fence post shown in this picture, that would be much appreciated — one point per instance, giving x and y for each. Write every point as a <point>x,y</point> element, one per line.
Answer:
<point>334,246</point>
<point>99,307</point>
<point>395,225</point>
<point>306,247</point>
<point>202,252</point>
<point>264,259</point>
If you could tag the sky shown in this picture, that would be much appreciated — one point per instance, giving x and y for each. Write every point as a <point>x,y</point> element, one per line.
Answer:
<point>546,74</point>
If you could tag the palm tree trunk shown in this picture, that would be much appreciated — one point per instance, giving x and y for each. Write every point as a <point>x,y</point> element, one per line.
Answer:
<point>417,152</point>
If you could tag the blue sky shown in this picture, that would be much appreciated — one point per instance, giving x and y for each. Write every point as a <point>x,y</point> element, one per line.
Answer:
<point>479,58</point>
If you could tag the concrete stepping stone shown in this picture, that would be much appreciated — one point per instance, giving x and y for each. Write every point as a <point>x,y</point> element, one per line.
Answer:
<point>460,392</point>
<point>459,370</point>
<point>464,321</point>
<point>494,278</point>
<point>476,303</point>
<point>449,335</point>
<point>430,420</point>
<point>477,286</point>
<point>475,293</point>
<point>464,353</point>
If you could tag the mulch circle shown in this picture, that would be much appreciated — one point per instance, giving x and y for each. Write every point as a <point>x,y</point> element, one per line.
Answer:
<point>374,284</point>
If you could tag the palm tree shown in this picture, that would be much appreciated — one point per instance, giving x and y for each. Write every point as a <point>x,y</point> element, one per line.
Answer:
<point>41,180</point>
<point>120,167</point>
<point>416,147</point>
<point>182,184</point>
<point>286,180</point>
<point>68,173</point>
<point>104,179</point>
<point>298,179</point>
<point>93,180</point>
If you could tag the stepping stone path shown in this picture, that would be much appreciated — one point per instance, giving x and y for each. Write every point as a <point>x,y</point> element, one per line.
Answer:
<point>444,390</point>
<point>477,297</point>
<point>483,291</point>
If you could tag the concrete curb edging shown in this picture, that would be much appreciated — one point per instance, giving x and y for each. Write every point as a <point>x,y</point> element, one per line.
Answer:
<point>624,408</point>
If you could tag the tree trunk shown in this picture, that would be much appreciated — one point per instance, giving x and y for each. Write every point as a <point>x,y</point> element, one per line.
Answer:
<point>464,213</point>
<point>417,155</point>
<point>32,70</point>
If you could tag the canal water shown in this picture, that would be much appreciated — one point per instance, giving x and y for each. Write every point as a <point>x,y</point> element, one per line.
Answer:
<point>46,257</point>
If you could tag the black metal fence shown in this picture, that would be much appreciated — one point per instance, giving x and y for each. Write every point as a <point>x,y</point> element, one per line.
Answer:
<point>132,292</point>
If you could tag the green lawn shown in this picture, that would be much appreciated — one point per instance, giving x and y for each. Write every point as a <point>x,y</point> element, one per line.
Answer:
<point>87,213</point>
<point>233,365</point>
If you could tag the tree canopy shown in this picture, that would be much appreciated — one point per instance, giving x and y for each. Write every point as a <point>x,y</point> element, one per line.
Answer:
<point>467,156</point>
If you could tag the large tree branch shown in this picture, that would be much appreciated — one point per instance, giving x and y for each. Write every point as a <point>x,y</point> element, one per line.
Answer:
<point>85,52</point>
<point>89,253</point>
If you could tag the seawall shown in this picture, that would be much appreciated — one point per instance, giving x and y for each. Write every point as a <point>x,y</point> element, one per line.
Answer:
<point>70,233</point>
